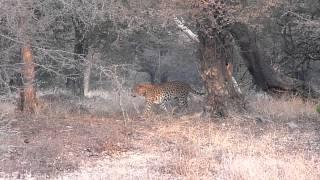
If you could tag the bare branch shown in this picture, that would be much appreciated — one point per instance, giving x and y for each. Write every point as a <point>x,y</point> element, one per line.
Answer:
<point>186,30</point>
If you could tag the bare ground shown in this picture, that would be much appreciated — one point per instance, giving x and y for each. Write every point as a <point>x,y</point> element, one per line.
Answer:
<point>276,139</point>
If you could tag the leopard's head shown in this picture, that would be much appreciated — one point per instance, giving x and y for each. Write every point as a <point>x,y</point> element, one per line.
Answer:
<point>141,89</point>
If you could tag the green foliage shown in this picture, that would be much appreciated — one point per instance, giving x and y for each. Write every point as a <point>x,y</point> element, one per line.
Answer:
<point>318,108</point>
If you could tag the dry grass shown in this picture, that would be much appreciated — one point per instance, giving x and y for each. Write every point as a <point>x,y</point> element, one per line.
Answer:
<point>189,147</point>
<point>233,150</point>
<point>193,149</point>
<point>283,108</point>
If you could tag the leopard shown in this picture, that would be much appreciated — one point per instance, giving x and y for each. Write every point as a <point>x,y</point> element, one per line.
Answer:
<point>161,93</point>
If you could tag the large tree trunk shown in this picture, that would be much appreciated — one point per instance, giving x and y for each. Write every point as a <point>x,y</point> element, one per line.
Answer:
<point>215,49</point>
<point>28,99</point>
<point>217,74</point>
<point>265,77</point>
<point>195,38</point>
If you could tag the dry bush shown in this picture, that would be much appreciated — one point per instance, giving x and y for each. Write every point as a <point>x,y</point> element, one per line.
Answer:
<point>283,108</point>
<point>98,102</point>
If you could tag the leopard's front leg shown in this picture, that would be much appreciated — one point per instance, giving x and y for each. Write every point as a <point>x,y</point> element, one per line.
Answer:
<point>147,109</point>
<point>163,107</point>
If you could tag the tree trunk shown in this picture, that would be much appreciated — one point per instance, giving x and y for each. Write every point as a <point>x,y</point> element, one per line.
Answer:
<point>195,38</point>
<point>265,77</point>
<point>75,76</point>
<point>87,73</point>
<point>28,99</point>
<point>216,74</point>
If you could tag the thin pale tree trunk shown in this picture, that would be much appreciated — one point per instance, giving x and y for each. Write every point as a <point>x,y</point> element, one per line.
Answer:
<point>87,74</point>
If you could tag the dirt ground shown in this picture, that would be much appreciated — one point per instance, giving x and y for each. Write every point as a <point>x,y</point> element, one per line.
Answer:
<point>49,145</point>
<point>70,141</point>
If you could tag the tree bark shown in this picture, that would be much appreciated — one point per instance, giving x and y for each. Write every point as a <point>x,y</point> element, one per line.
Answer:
<point>186,30</point>
<point>28,99</point>
<point>264,76</point>
<point>217,78</point>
